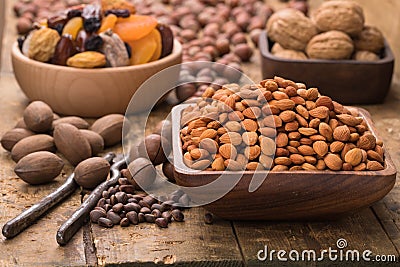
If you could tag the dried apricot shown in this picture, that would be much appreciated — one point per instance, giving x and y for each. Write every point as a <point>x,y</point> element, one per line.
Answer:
<point>157,37</point>
<point>135,27</point>
<point>73,26</point>
<point>143,49</point>
<point>108,23</point>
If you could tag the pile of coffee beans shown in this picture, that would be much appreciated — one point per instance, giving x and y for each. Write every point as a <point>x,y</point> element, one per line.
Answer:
<point>120,205</point>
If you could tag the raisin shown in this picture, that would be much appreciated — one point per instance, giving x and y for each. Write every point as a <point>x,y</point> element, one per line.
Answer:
<point>128,49</point>
<point>93,43</point>
<point>121,13</point>
<point>91,24</point>
<point>74,13</point>
<point>57,23</point>
<point>21,41</point>
<point>64,50</point>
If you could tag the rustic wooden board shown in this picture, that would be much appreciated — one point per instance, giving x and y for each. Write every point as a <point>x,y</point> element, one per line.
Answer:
<point>191,243</point>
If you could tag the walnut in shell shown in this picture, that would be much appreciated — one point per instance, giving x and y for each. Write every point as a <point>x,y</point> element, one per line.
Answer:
<point>330,45</point>
<point>291,29</point>
<point>346,16</point>
<point>276,48</point>
<point>370,39</point>
<point>291,54</point>
<point>365,56</point>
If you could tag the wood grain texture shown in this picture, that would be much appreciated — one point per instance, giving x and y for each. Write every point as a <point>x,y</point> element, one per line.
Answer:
<point>191,243</point>
<point>2,21</point>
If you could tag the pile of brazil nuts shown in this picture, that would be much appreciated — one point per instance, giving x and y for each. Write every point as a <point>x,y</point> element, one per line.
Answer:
<point>279,125</point>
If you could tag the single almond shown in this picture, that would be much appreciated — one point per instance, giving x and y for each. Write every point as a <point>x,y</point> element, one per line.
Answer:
<point>287,116</point>
<point>306,150</point>
<point>367,142</point>
<point>252,112</point>
<point>235,116</point>
<point>209,144</point>
<point>233,126</point>
<point>254,166</point>
<point>200,164</point>
<point>250,138</point>
<point>249,125</point>
<point>231,138</point>
<point>333,162</point>
<point>33,143</point>
<point>324,101</point>
<point>336,146</point>
<point>308,167</point>
<point>195,124</point>
<point>307,131</point>
<point>373,155</point>
<point>283,161</point>
<point>228,151</point>
<point>354,156</point>
<point>10,138</point>
<point>291,126</point>
<point>278,95</point>
<point>252,152</point>
<point>199,153</point>
<point>285,104</point>
<point>341,133</point>
<point>321,148</point>
<point>233,165</point>
<point>302,122</point>
<point>218,164</point>
<point>267,145</point>
<point>208,133</point>
<point>374,166</point>
<point>312,94</point>
<point>297,159</point>
<point>281,140</point>
<point>360,167</point>
<point>39,167</point>
<point>349,120</point>
<point>321,112</point>
<point>326,131</point>
<point>302,111</point>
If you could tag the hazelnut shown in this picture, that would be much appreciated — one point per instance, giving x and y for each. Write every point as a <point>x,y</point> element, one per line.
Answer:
<point>24,25</point>
<point>243,20</point>
<point>256,23</point>
<point>255,36</point>
<point>239,38</point>
<point>223,46</point>
<point>188,34</point>
<point>243,51</point>
<point>185,91</point>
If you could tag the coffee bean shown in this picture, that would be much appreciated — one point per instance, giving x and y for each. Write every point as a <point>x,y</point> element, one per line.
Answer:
<point>101,202</point>
<point>144,204</point>
<point>132,207</point>
<point>107,207</point>
<point>132,200</point>
<point>133,217</point>
<point>177,215</point>
<point>137,197</point>
<point>161,222</point>
<point>121,197</point>
<point>96,214</point>
<point>149,218</point>
<point>123,181</point>
<point>157,206</point>
<point>129,189</point>
<point>113,217</point>
<point>117,208</point>
<point>156,213</point>
<point>113,200</point>
<point>167,204</point>
<point>105,222</point>
<point>150,200</point>
<point>167,215</point>
<point>145,210</point>
<point>124,222</point>
<point>141,217</point>
<point>105,194</point>
<point>184,200</point>
<point>112,190</point>
<point>208,218</point>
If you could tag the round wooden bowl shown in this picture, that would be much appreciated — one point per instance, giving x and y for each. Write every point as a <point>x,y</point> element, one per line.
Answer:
<point>86,92</point>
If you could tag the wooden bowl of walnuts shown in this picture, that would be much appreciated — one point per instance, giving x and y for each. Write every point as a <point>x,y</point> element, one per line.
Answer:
<point>288,155</point>
<point>334,50</point>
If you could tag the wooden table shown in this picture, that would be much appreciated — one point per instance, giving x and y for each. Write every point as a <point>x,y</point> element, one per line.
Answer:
<point>225,243</point>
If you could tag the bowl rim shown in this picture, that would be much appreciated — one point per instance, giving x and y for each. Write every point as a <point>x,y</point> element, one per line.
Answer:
<point>176,52</point>
<point>181,168</point>
<point>264,47</point>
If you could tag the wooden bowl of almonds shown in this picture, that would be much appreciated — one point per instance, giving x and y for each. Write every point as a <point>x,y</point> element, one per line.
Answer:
<point>86,92</point>
<point>292,153</point>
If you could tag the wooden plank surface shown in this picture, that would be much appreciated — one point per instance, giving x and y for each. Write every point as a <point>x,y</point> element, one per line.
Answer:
<point>193,242</point>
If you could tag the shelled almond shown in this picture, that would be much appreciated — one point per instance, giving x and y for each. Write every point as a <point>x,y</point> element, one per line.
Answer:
<point>277,124</point>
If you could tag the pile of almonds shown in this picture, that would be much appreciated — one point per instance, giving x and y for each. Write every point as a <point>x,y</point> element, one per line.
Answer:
<point>41,133</point>
<point>279,125</point>
<point>336,30</point>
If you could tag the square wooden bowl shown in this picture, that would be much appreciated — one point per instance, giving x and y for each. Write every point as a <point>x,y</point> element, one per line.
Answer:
<point>288,195</point>
<point>347,81</point>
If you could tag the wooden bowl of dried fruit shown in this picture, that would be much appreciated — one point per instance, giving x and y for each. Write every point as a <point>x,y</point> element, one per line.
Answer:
<point>304,157</point>
<point>90,60</point>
